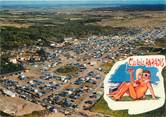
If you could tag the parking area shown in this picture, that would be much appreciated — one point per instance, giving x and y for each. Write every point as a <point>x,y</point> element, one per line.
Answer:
<point>71,77</point>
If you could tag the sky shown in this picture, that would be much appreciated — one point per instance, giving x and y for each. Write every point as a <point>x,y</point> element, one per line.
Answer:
<point>122,71</point>
<point>110,1</point>
<point>83,2</point>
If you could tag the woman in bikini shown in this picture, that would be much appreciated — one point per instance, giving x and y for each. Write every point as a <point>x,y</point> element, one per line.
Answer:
<point>136,89</point>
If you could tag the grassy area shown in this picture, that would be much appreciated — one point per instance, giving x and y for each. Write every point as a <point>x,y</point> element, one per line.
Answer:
<point>2,114</point>
<point>106,67</point>
<point>67,70</point>
<point>6,66</point>
<point>161,42</point>
<point>146,23</point>
<point>127,98</point>
<point>42,113</point>
<point>101,107</point>
<point>140,43</point>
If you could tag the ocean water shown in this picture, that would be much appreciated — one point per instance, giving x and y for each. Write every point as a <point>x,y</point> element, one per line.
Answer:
<point>78,4</point>
<point>54,4</point>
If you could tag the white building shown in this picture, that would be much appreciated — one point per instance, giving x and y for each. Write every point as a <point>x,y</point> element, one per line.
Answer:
<point>9,93</point>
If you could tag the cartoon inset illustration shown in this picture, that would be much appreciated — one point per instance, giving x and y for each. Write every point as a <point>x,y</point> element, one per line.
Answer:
<point>136,81</point>
<point>136,89</point>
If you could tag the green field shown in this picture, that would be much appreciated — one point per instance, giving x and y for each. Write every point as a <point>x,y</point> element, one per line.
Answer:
<point>127,98</point>
<point>101,107</point>
<point>67,70</point>
<point>161,42</point>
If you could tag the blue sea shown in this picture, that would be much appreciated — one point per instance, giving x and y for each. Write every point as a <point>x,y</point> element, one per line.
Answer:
<point>77,4</point>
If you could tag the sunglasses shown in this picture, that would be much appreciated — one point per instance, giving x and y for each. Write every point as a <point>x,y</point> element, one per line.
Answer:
<point>146,75</point>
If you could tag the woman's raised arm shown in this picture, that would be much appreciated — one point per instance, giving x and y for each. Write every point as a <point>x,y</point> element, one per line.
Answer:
<point>131,72</point>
